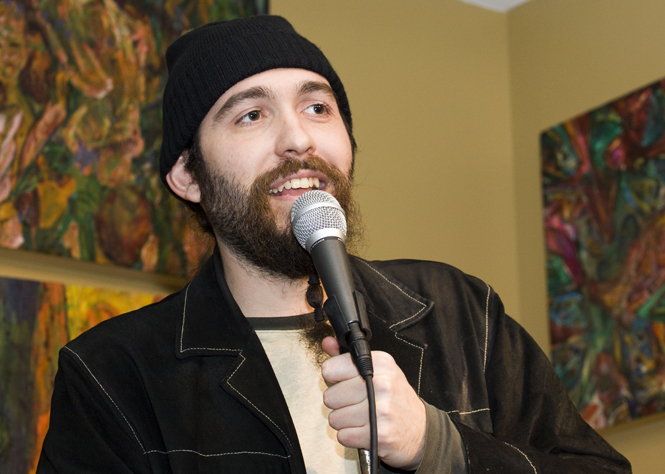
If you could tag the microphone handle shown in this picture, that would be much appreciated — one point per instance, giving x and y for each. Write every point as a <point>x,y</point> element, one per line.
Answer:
<point>332,264</point>
<point>345,308</point>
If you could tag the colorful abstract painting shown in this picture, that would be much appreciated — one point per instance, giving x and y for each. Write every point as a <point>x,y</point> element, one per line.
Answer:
<point>603,176</point>
<point>36,320</point>
<point>80,129</point>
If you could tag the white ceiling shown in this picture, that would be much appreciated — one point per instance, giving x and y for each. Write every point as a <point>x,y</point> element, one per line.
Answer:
<point>496,5</point>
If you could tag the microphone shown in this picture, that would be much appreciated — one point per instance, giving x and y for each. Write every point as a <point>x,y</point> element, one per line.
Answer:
<point>319,224</point>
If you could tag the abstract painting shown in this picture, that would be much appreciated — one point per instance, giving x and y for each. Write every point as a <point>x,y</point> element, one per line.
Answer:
<point>80,129</point>
<point>603,177</point>
<point>36,320</point>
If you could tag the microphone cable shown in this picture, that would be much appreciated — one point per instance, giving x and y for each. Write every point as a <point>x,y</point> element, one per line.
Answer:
<point>374,442</point>
<point>362,358</point>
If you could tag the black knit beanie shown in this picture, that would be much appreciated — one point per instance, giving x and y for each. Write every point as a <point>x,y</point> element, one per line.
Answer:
<point>207,61</point>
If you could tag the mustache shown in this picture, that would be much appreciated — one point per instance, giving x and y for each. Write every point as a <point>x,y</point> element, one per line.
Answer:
<point>293,165</point>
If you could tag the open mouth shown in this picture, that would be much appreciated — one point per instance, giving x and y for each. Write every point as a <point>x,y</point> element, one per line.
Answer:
<point>297,186</point>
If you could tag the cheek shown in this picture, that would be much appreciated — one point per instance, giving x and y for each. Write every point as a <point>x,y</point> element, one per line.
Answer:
<point>229,157</point>
<point>336,149</point>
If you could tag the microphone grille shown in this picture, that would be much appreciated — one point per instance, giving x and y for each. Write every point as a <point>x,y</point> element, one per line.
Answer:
<point>315,211</point>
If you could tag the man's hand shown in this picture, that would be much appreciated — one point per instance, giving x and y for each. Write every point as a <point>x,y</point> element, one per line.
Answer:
<point>400,414</point>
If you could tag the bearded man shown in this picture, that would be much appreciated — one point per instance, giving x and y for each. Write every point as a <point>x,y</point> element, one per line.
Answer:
<point>224,376</point>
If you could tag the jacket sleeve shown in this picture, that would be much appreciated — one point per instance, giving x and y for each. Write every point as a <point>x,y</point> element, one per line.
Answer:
<point>87,432</point>
<point>536,427</point>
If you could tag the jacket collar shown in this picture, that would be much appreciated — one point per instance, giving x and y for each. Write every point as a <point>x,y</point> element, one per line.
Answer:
<point>213,324</point>
<point>387,299</point>
<point>393,308</point>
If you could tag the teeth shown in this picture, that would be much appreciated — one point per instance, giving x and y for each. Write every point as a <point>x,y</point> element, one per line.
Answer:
<point>298,183</point>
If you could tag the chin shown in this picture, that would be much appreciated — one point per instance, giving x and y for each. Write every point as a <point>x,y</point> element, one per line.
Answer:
<point>282,207</point>
<point>283,219</point>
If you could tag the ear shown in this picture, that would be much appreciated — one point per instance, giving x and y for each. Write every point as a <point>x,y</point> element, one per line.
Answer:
<point>182,182</point>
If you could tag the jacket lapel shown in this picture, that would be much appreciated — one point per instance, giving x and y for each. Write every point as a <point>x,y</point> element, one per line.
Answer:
<point>393,308</point>
<point>253,383</point>
<point>213,325</point>
<point>209,326</point>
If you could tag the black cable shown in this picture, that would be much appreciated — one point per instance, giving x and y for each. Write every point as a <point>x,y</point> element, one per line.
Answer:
<point>374,442</point>
<point>362,358</point>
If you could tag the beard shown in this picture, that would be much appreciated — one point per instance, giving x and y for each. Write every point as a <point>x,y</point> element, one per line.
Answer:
<point>311,334</point>
<point>244,220</point>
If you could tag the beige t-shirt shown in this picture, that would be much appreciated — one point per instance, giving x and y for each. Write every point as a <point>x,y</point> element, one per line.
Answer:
<point>299,377</point>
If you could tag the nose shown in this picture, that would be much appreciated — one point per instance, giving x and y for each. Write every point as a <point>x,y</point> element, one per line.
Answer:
<point>294,139</point>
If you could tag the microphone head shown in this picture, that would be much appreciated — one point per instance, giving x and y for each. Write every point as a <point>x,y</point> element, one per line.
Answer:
<point>316,215</point>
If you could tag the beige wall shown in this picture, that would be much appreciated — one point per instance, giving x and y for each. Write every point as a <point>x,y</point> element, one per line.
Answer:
<point>566,57</point>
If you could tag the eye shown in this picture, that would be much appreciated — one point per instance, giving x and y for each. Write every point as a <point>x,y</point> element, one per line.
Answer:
<point>251,116</point>
<point>318,109</point>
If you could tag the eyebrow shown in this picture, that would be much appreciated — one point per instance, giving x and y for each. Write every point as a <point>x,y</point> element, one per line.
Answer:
<point>257,92</point>
<point>307,87</point>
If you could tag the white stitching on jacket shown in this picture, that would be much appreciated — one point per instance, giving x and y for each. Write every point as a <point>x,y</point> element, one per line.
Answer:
<point>525,456</point>
<point>107,394</point>
<point>236,390</point>
<point>182,331</point>
<point>489,290</point>
<point>401,291</point>
<point>213,455</point>
<point>422,354</point>
<point>468,412</point>
<point>487,324</point>
<point>173,450</point>
<point>184,310</point>
<point>422,349</point>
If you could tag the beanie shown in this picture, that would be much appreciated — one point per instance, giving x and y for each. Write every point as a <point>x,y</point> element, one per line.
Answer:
<point>207,61</point>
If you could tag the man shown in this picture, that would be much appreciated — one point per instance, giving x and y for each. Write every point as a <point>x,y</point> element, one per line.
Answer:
<point>254,115</point>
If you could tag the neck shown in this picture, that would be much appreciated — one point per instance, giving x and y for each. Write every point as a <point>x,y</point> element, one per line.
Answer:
<point>262,295</point>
